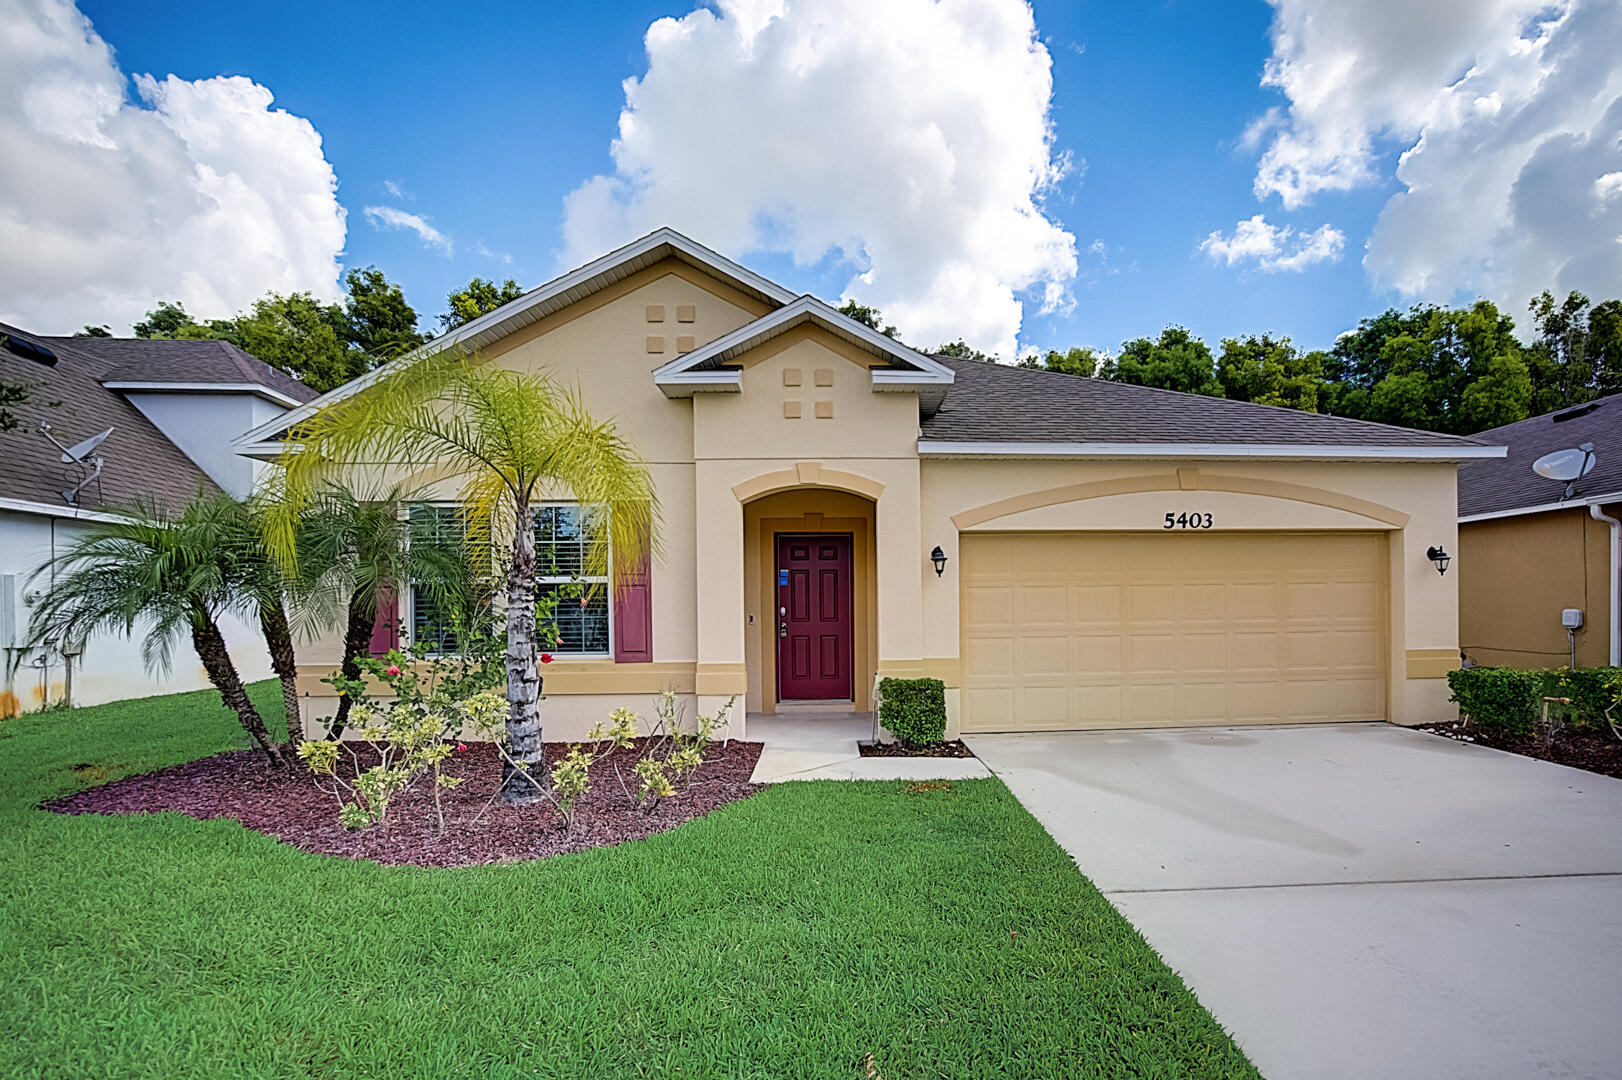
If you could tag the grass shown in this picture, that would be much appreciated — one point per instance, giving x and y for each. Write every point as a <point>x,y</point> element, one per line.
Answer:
<point>815,930</point>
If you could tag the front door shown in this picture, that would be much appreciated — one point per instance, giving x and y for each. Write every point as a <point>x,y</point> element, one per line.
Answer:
<point>814,637</point>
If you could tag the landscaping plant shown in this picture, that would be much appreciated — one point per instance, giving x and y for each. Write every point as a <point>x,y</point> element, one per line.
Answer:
<point>913,710</point>
<point>512,439</point>
<point>409,744</point>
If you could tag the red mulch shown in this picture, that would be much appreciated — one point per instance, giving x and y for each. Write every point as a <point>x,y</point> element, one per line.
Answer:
<point>950,748</point>
<point>1594,750</point>
<point>242,786</point>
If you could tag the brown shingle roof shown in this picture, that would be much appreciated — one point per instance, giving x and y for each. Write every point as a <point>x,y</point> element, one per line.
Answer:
<point>1000,403</point>
<point>1509,483</point>
<point>185,361</point>
<point>140,462</point>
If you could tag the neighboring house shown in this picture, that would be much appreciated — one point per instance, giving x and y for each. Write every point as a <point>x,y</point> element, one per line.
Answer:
<point>172,408</point>
<point>1529,550</point>
<point>1115,556</point>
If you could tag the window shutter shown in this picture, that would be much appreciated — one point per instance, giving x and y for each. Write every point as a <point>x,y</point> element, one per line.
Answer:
<point>633,615</point>
<point>386,624</point>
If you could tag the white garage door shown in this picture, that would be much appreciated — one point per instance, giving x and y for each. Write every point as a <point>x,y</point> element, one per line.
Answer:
<point>1100,630</point>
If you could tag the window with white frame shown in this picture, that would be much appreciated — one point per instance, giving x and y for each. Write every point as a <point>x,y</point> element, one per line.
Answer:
<point>430,624</point>
<point>569,601</point>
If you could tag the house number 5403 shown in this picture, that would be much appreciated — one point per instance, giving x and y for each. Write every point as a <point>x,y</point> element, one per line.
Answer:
<point>1187,521</point>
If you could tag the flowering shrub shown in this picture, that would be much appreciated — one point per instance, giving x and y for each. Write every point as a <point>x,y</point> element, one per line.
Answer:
<point>410,746</point>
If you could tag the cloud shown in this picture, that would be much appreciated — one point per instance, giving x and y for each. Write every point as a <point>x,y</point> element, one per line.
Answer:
<point>199,192</point>
<point>1267,247</point>
<point>908,141</point>
<point>389,217</point>
<point>393,189</point>
<point>499,256</point>
<point>1507,116</point>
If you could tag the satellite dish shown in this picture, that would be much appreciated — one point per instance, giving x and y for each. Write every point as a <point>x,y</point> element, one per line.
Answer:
<point>75,454</point>
<point>1567,465</point>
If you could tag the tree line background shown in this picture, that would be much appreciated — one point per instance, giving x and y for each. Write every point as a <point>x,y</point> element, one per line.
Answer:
<point>1455,370</point>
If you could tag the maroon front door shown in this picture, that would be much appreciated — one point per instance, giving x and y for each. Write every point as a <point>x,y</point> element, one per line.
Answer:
<point>814,639</point>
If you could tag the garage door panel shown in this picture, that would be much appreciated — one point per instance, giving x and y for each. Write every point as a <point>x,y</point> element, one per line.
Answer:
<point>1066,630</point>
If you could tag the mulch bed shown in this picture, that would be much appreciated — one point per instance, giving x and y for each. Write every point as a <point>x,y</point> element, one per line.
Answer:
<point>1581,748</point>
<point>242,786</point>
<point>951,748</point>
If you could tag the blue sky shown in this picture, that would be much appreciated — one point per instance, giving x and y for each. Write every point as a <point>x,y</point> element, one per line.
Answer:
<point>485,119</point>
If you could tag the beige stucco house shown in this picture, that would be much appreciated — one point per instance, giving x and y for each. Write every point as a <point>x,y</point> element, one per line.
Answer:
<point>1531,550</point>
<point>1114,556</point>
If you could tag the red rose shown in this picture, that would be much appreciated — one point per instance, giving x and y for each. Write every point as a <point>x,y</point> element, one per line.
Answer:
<point>546,658</point>
<point>393,669</point>
<point>461,748</point>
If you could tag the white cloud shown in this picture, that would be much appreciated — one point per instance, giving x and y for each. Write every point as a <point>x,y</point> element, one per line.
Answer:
<point>1255,242</point>
<point>201,192</point>
<point>911,140</point>
<point>393,189</point>
<point>389,217</point>
<point>1508,118</point>
<point>499,256</point>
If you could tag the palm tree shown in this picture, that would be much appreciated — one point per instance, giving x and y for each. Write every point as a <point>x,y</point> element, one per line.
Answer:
<point>510,439</point>
<point>354,552</point>
<point>168,574</point>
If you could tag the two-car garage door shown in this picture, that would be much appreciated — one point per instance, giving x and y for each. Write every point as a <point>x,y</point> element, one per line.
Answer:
<point>1090,630</point>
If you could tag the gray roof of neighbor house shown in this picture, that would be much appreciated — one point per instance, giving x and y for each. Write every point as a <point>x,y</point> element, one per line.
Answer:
<point>140,463</point>
<point>1003,404</point>
<point>1488,487</point>
<point>187,362</point>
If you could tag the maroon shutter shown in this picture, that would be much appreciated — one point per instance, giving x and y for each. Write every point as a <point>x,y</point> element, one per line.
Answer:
<point>633,615</point>
<point>386,625</point>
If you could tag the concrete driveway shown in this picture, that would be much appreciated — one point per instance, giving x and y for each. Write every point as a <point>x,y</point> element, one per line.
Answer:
<point>1355,900</point>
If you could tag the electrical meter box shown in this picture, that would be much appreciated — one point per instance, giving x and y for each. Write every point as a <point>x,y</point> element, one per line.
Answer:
<point>1572,618</point>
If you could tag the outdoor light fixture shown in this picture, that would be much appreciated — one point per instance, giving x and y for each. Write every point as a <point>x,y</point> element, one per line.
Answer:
<point>1440,557</point>
<point>938,557</point>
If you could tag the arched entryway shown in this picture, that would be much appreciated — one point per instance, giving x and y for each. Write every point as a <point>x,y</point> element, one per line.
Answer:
<point>813,539</point>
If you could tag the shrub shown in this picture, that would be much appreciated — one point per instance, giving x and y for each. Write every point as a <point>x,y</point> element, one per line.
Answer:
<point>1498,698</point>
<point>913,710</point>
<point>1591,690</point>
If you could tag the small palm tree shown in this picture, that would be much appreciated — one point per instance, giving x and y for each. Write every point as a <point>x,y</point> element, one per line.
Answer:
<point>355,552</point>
<point>510,439</point>
<point>166,576</point>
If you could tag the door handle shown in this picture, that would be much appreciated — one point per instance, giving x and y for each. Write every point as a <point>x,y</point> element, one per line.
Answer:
<point>782,630</point>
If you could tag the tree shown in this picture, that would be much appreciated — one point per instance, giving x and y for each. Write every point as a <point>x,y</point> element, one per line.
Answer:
<point>1578,352</point>
<point>962,350</point>
<point>510,437</point>
<point>94,331</point>
<point>1176,361</point>
<point>868,316</point>
<point>355,553</point>
<point>477,297</point>
<point>378,321</point>
<point>10,394</point>
<point>1080,360</point>
<point>1270,371</point>
<point>325,345</point>
<point>169,575</point>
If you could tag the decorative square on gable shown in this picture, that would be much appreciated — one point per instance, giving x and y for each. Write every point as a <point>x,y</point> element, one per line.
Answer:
<point>686,312</point>
<point>656,313</point>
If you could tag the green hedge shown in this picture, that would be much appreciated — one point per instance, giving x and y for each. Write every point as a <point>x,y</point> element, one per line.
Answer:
<point>913,710</point>
<point>1511,700</point>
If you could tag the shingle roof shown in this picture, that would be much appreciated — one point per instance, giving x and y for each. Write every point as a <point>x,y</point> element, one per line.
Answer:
<point>1000,403</point>
<point>186,361</point>
<point>1509,483</point>
<point>140,462</point>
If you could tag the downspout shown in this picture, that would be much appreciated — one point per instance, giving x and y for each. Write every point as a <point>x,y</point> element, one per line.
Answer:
<point>1616,580</point>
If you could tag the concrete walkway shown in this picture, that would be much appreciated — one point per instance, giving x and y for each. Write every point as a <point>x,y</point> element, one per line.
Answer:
<point>816,745</point>
<point>1355,900</point>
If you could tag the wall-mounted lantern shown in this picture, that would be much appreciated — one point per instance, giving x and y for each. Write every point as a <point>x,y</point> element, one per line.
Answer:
<point>1440,557</point>
<point>938,557</point>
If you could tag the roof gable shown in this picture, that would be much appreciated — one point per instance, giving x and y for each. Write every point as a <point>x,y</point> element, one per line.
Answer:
<point>544,300</point>
<point>713,367</point>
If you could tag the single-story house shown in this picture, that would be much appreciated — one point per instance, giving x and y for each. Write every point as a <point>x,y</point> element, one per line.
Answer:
<point>170,410</point>
<point>1061,552</point>
<point>1534,548</point>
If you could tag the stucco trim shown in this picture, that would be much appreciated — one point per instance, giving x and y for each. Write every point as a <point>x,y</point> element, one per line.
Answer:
<point>1430,663</point>
<point>721,679</point>
<point>820,477</point>
<point>562,677</point>
<point>945,668</point>
<point>1129,485</point>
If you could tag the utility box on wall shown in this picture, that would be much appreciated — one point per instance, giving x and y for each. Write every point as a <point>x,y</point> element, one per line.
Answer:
<point>1571,618</point>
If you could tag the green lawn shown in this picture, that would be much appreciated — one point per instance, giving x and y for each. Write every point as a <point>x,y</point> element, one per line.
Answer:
<point>790,935</point>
